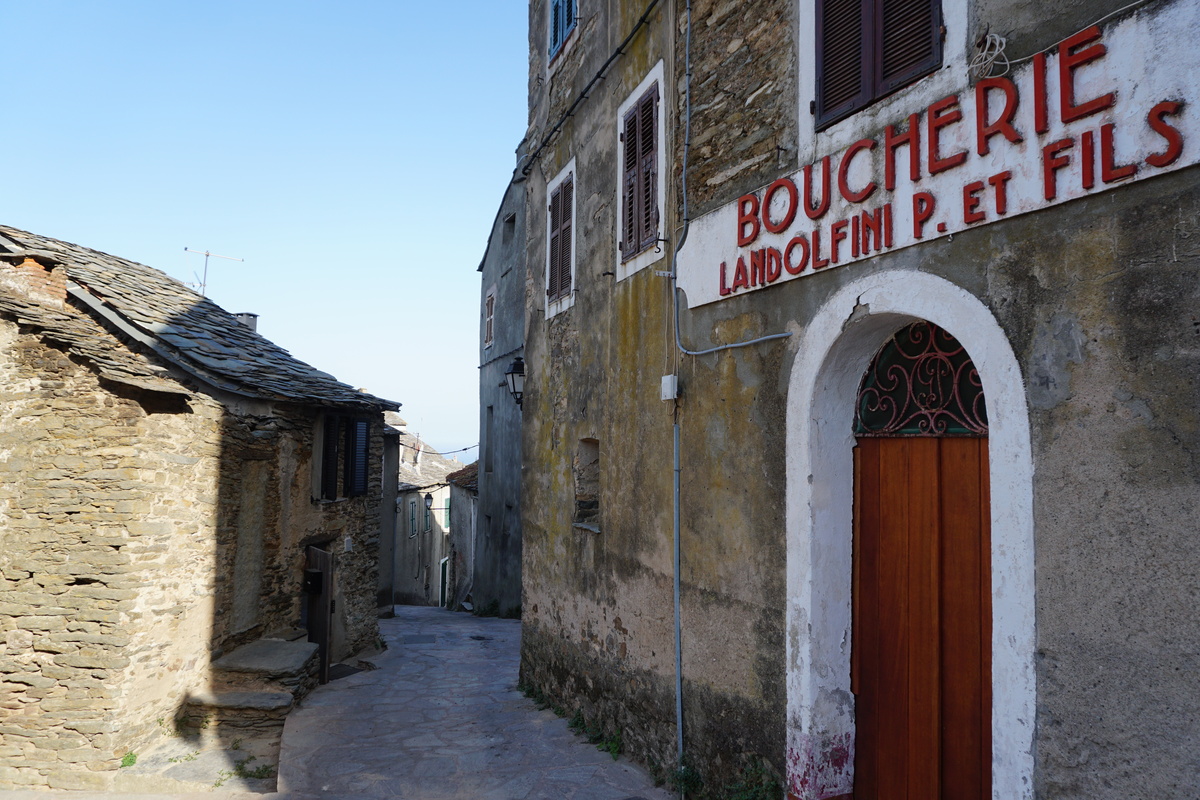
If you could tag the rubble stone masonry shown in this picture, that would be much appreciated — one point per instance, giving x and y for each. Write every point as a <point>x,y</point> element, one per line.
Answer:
<point>142,534</point>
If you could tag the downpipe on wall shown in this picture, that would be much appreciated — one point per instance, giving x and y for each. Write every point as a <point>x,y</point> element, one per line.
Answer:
<point>681,239</point>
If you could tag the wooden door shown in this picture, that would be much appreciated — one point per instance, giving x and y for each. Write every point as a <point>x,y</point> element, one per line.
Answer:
<point>318,569</point>
<point>921,657</point>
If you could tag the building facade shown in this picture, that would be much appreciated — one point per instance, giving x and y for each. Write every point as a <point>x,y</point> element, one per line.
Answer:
<point>169,476</point>
<point>868,333</point>
<point>421,563</point>
<point>497,571</point>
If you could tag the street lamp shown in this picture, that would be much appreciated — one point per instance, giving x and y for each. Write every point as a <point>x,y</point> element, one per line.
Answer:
<point>516,379</point>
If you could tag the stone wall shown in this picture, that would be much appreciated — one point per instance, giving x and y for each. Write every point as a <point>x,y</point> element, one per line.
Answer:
<point>144,534</point>
<point>106,556</point>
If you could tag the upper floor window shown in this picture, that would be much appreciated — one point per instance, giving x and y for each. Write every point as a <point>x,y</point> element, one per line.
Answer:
<point>867,49</point>
<point>639,184</point>
<point>489,317</point>
<point>562,22</point>
<point>560,244</point>
<point>345,443</point>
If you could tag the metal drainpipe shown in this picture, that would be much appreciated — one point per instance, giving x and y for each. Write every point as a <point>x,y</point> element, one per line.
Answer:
<point>678,627</point>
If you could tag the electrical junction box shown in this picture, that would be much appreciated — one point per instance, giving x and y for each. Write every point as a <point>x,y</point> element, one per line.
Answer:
<point>670,387</point>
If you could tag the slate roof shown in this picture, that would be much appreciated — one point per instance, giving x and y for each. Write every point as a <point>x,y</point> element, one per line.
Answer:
<point>432,469</point>
<point>182,326</point>
<point>466,478</point>
<point>80,336</point>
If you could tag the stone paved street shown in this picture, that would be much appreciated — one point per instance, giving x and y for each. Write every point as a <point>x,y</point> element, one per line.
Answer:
<point>442,718</point>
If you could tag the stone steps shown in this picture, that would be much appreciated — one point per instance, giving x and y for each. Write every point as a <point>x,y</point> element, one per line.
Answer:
<point>254,687</point>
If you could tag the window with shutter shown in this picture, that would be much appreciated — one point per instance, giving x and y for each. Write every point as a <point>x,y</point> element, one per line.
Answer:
<point>558,274</point>
<point>489,318</point>
<point>330,438</point>
<point>357,442</point>
<point>639,185</point>
<point>345,457</point>
<point>562,22</point>
<point>867,49</point>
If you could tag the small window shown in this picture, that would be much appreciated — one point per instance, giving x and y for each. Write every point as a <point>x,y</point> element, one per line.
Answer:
<point>428,520</point>
<point>562,22</point>
<point>345,445</point>
<point>489,317</point>
<point>639,184</point>
<point>562,209</point>
<point>412,518</point>
<point>489,431</point>
<point>867,49</point>
<point>587,485</point>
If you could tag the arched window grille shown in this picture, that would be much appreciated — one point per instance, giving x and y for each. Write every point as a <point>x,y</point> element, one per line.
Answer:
<point>921,383</point>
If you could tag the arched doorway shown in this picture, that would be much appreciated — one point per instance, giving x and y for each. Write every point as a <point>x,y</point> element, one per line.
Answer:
<point>920,666</point>
<point>832,351</point>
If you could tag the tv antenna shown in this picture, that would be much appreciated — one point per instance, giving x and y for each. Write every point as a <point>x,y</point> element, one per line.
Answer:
<point>206,254</point>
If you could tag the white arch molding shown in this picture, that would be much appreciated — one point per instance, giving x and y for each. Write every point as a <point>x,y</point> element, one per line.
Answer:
<point>833,353</point>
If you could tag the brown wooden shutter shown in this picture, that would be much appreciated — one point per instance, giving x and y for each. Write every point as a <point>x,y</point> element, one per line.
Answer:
<point>629,182</point>
<point>566,192</point>
<point>558,281</point>
<point>648,169</point>
<point>867,49</point>
<point>555,239</point>
<point>909,41</point>
<point>843,57</point>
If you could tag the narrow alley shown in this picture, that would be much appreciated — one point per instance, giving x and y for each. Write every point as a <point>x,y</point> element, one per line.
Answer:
<point>442,718</point>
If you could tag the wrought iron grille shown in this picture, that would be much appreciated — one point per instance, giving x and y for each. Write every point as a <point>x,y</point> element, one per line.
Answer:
<point>921,383</point>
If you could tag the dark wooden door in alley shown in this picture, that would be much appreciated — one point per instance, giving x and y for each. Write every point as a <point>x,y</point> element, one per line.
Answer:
<point>318,587</point>
<point>921,645</point>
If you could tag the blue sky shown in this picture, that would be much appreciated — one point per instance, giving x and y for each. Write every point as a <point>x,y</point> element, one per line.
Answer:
<point>353,153</point>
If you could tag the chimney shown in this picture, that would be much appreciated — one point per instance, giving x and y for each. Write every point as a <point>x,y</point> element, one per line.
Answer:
<point>248,319</point>
<point>41,281</point>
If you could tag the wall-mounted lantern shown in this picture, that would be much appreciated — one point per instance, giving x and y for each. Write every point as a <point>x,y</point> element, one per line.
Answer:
<point>516,379</point>
<point>428,501</point>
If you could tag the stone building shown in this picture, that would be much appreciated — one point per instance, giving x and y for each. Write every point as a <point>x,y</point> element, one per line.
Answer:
<point>170,477</point>
<point>421,553</point>
<point>755,231</point>
<point>464,532</point>
<point>497,577</point>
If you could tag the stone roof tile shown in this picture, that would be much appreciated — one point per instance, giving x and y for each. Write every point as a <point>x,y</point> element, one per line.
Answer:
<point>189,329</point>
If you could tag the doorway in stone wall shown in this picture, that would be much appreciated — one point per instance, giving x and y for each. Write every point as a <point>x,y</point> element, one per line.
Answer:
<point>921,595</point>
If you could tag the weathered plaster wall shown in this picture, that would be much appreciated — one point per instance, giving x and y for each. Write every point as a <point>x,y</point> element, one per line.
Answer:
<point>1095,298</point>
<point>597,612</point>
<point>1100,306</point>
<point>497,567</point>
<point>420,550</point>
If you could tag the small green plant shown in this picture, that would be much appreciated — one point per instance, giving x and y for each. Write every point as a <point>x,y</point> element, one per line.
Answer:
<point>613,745</point>
<point>757,782</point>
<point>241,769</point>
<point>181,759</point>
<point>128,760</point>
<point>237,745</point>
<point>578,723</point>
<point>685,780</point>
